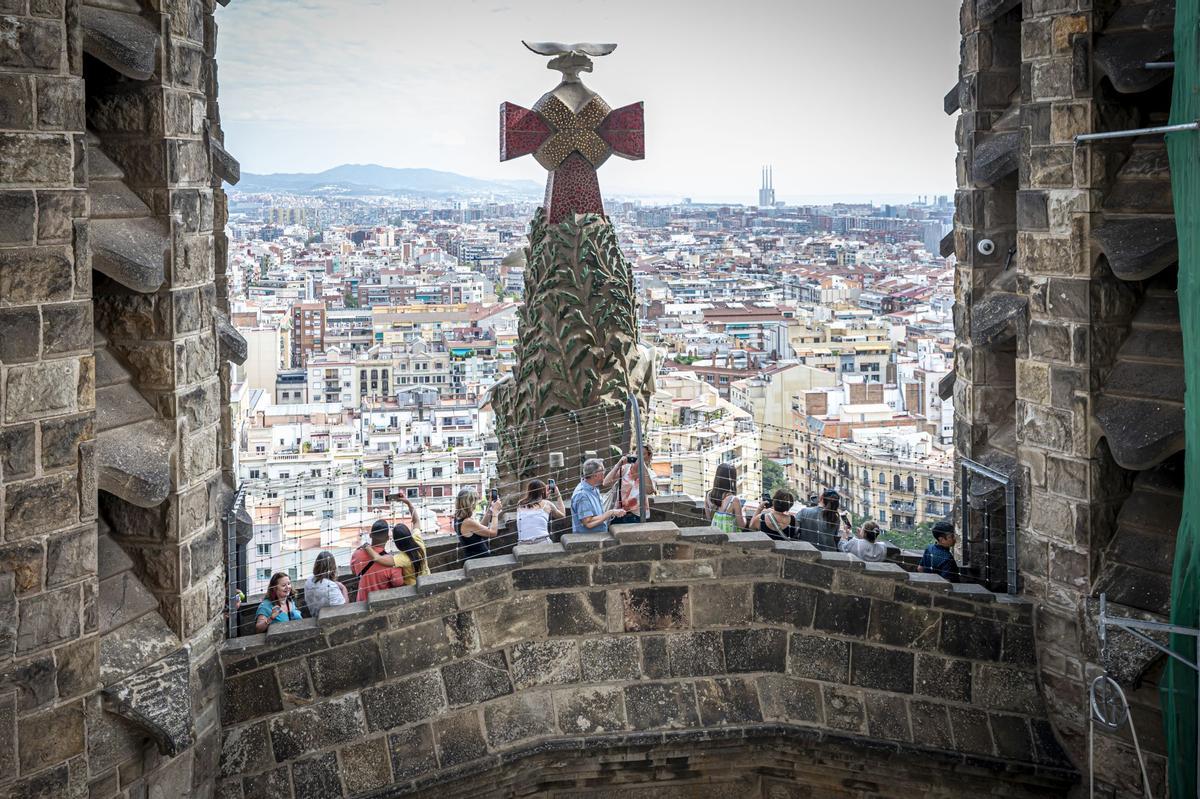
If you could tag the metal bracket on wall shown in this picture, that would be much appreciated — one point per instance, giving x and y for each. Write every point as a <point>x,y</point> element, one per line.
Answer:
<point>1135,132</point>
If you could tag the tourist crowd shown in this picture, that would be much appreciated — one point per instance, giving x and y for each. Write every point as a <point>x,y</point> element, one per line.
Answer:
<point>602,498</point>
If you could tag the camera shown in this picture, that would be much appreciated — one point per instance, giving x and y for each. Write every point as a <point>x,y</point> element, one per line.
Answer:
<point>986,246</point>
<point>550,483</point>
<point>631,459</point>
<point>494,494</point>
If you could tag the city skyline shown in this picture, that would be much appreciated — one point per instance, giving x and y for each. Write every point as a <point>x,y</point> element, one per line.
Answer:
<point>360,95</point>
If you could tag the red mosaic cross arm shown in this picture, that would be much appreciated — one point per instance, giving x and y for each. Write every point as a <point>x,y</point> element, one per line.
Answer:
<point>625,132</point>
<point>521,131</point>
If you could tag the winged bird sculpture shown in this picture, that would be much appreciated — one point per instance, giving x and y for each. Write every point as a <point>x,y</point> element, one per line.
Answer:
<point>558,48</point>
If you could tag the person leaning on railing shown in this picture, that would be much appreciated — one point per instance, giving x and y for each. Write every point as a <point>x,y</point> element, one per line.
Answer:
<point>371,574</point>
<point>627,474</point>
<point>535,511</point>
<point>473,535</point>
<point>278,606</point>
<point>587,506</point>
<point>722,505</point>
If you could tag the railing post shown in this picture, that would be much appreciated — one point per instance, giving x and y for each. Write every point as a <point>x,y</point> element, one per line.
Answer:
<point>643,504</point>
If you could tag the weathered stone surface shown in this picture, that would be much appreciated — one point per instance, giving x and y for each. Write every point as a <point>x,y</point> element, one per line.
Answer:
<point>819,657</point>
<point>17,218</point>
<point>943,678</point>
<point>1000,688</point>
<point>39,390</point>
<point>584,711</point>
<point>23,562</point>
<point>886,669</point>
<point>516,718</point>
<point>727,701</point>
<point>35,159</point>
<point>550,578</point>
<point>662,608</point>
<point>271,783</point>
<point>459,738</point>
<point>302,730</point>
<point>610,659</point>
<point>476,680</point>
<point>695,654</point>
<point>520,618</point>
<point>126,42</point>
<point>133,645</point>
<point>365,766</point>
<point>844,708</point>
<point>47,619</point>
<point>346,668</point>
<point>414,648</point>
<point>787,699</point>
<point>970,637</point>
<point>158,699</point>
<point>245,749</point>
<point>412,752</point>
<point>32,679</point>
<point>70,556</point>
<point>250,696</point>
<point>8,735</point>
<point>887,717</point>
<point>317,777</point>
<point>38,748</point>
<point>577,613</point>
<point>544,663</point>
<point>718,605</point>
<point>899,624</point>
<point>844,615</point>
<point>61,439</point>
<point>653,706</point>
<point>755,649</point>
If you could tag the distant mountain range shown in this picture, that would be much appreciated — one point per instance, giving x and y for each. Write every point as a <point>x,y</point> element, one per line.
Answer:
<point>375,179</point>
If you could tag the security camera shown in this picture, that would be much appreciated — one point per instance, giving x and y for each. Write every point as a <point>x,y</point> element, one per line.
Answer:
<point>986,246</point>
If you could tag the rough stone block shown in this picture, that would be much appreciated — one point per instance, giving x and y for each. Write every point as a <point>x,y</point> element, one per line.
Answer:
<point>17,208</point>
<point>16,451</point>
<point>587,711</point>
<point>245,749</point>
<point>35,159</point>
<point>40,390</point>
<point>250,696</point>
<point>544,663</point>
<point>533,553</point>
<point>929,581</point>
<point>365,766</point>
<point>496,564</point>
<point>303,730</point>
<point>577,613</point>
<point>517,718</point>
<point>755,649</point>
<point>575,543</point>
<point>727,701</point>
<point>752,540</point>
<point>843,615</point>
<point>887,718</point>
<point>16,110</point>
<point>33,681</point>
<point>807,572</point>
<point>659,608</point>
<point>61,439</point>
<point>413,752</point>
<point>971,731</point>
<point>801,550</point>
<point>645,532</point>
<point>275,782</point>
<point>476,680</point>
<point>819,658</point>
<point>844,708</point>
<point>47,619</point>
<point>695,654</point>
<point>70,556</point>
<point>943,678</point>
<point>626,553</point>
<point>790,700</point>
<point>721,604</point>
<point>739,563</point>
<point>317,777</point>
<point>346,668</point>
<point>399,703</point>
<point>60,102</point>
<point>1001,688</point>
<point>703,535</point>
<point>520,618</point>
<point>653,706</point>
<point>51,737</point>
<point>621,573</point>
<point>610,659</point>
<point>898,624</point>
<point>885,669</point>
<point>970,637</point>
<point>442,581</point>
<point>931,724</point>
<point>550,578</point>
<point>1012,737</point>
<point>673,571</point>
<point>23,562</point>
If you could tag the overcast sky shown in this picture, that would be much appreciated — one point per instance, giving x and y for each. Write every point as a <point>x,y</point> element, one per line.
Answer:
<point>843,97</point>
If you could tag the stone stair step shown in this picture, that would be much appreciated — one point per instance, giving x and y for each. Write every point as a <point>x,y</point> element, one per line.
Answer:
<point>127,42</point>
<point>134,462</point>
<point>123,598</point>
<point>135,645</point>
<point>112,199</point>
<point>100,166</point>
<point>109,369</point>
<point>120,404</point>
<point>128,6</point>
<point>130,251</point>
<point>111,557</point>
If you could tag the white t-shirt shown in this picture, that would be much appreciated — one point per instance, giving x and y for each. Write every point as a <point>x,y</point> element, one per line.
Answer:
<point>864,549</point>
<point>533,524</point>
<point>319,595</point>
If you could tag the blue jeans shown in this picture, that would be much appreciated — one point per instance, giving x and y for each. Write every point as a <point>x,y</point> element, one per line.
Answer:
<point>628,518</point>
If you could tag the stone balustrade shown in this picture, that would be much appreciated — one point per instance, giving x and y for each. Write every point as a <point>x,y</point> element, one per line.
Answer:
<point>602,658</point>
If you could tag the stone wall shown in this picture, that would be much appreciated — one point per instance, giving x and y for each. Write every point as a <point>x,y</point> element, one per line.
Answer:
<point>612,653</point>
<point>1065,377</point>
<point>111,567</point>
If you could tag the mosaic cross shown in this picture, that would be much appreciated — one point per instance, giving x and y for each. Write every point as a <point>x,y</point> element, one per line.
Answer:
<point>571,131</point>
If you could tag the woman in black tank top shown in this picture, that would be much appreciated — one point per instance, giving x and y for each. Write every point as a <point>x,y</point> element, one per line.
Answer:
<point>473,535</point>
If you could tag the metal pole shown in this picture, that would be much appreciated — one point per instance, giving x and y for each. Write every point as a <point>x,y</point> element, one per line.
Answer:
<point>1010,512</point>
<point>966,514</point>
<point>1159,65</point>
<point>642,465</point>
<point>1125,134</point>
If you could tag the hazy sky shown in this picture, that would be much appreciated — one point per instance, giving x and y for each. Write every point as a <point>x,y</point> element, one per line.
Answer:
<point>843,97</point>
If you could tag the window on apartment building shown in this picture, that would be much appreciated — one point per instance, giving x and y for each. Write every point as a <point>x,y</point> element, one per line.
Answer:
<point>353,492</point>
<point>882,516</point>
<point>882,496</point>
<point>437,491</point>
<point>255,474</point>
<point>272,495</point>
<point>376,496</point>
<point>412,493</point>
<point>284,475</point>
<point>895,482</point>
<point>437,471</point>
<point>264,574</point>
<point>263,549</point>
<point>945,488</point>
<point>412,474</point>
<point>327,494</point>
<point>881,479</point>
<point>310,497</point>
<point>260,448</point>
<point>911,485</point>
